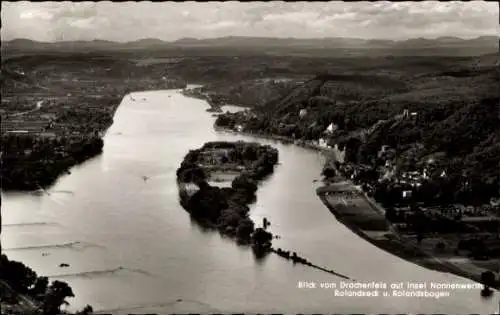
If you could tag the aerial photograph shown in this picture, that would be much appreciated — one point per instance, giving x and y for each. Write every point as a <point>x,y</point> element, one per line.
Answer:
<point>250,157</point>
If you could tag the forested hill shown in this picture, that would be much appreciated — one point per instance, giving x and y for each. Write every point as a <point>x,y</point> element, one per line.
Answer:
<point>400,82</point>
<point>456,107</point>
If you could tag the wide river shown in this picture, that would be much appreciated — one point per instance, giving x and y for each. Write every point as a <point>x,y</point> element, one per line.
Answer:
<point>132,248</point>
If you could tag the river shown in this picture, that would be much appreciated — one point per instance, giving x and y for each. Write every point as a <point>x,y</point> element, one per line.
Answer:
<point>132,248</point>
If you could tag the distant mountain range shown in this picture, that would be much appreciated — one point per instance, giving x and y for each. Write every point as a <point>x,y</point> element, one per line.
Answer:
<point>484,44</point>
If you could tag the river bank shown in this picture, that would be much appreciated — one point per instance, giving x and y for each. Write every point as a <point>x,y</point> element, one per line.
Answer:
<point>398,245</point>
<point>168,257</point>
<point>391,240</point>
<point>35,160</point>
<point>71,116</point>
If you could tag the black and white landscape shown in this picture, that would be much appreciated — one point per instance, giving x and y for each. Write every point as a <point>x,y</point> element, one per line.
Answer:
<point>255,157</point>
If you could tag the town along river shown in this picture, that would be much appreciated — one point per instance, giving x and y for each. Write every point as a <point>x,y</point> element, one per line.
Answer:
<point>131,247</point>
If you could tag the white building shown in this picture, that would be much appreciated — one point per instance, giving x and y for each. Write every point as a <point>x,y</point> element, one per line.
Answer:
<point>189,188</point>
<point>331,128</point>
<point>425,175</point>
<point>322,143</point>
<point>302,113</point>
<point>50,135</point>
<point>49,116</point>
<point>407,193</point>
<point>339,154</point>
<point>18,132</point>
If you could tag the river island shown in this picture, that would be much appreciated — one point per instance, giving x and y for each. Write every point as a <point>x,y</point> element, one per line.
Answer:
<point>226,209</point>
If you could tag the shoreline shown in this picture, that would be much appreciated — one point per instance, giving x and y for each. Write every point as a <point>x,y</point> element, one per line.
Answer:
<point>226,208</point>
<point>395,246</point>
<point>65,165</point>
<point>398,248</point>
<point>260,239</point>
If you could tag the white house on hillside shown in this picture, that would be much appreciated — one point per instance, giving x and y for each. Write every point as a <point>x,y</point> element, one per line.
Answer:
<point>322,142</point>
<point>339,154</point>
<point>331,128</point>
<point>302,113</point>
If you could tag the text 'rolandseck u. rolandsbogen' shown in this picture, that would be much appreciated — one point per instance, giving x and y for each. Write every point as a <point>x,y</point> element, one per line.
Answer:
<point>396,289</point>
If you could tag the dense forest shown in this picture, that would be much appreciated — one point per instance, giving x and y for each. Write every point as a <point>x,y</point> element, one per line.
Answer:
<point>22,280</point>
<point>31,162</point>
<point>454,114</point>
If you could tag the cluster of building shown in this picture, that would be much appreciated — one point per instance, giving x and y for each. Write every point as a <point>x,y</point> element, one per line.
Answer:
<point>213,157</point>
<point>476,216</point>
<point>43,127</point>
<point>480,218</point>
<point>408,178</point>
<point>409,115</point>
<point>24,125</point>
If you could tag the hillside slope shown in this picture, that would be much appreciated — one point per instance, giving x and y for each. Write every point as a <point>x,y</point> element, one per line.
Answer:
<point>456,111</point>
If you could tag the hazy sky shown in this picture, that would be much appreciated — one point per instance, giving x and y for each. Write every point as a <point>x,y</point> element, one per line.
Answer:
<point>49,21</point>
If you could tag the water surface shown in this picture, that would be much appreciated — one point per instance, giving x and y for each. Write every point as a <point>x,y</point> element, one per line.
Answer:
<point>132,248</point>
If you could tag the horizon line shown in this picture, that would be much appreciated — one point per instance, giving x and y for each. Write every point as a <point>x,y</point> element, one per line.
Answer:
<point>249,37</point>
